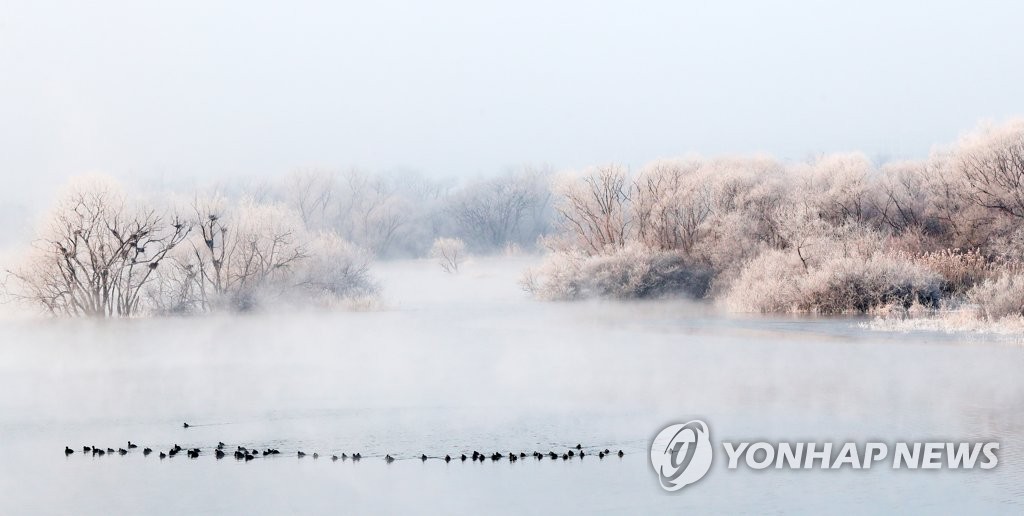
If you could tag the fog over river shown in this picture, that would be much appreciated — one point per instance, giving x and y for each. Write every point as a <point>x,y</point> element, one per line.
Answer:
<point>448,364</point>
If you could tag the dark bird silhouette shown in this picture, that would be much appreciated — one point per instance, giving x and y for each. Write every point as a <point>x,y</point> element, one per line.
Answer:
<point>122,451</point>
<point>606,452</point>
<point>475,454</point>
<point>334,458</point>
<point>100,452</point>
<point>423,457</point>
<point>301,454</point>
<point>578,447</point>
<point>130,445</point>
<point>316,455</point>
<point>620,453</point>
<point>68,451</point>
<point>565,456</point>
<point>553,455</point>
<point>447,458</point>
<point>185,425</point>
<point>163,455</point>
<point>220,445</point>
<point>147,451</point>
<point>522,455</point>
<point>239,455</point>
<point>357,456</point>
<point>219,453</point>
<point>572,453</point>
<point>110,450</point>
<point>249,457</point>
<point>344,456</point>
<point>172,452</point>
<point>600,455</point>
<point>463,457</point>
<point>86,449</point>
<point>389,459</point>
<point>582,454</point>
<point>177,448</point>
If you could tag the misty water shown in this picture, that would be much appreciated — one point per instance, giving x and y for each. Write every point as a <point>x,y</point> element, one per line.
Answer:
<point>456,363</point>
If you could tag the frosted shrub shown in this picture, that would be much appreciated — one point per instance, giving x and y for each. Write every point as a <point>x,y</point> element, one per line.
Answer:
<point>835,284</point>
<point>633,272</point>
<point>449,253</point>
<point>1000,297</point>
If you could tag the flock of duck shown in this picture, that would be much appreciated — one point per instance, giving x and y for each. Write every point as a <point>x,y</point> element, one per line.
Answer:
<point>247,454</point>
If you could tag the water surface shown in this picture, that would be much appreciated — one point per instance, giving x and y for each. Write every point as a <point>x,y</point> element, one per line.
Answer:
<point>457,363</point>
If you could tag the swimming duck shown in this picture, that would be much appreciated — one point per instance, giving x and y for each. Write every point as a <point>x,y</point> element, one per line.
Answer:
<point>572,453</point>
<point>565,456</point>
<point>334,458</point>
<point>86,449</point>
<point>301,454</point>
<point>578,447</point>
<point>147,451</point>
<point>389,459</point>
<point>553,455</point>
<point>423,457</point>
<point>357,456</point>
<point>620,453</point>
<point>172,452</point>
<point>316,455</point>
<point>130,445</point>
<point>463,457</point>
<point>344,456</point>
<point>110,450</point>
<point>184,425</point>
<point>582,454</point>
<point>447,458</point>
<point>100,452</point>
<point>219,453</point>
<point>68,451</point>
<point>239,455</point>
<point>163,455</point>
<point>122,451</point>
<point>606,452</point>
<point>600,455</point>
<point>249,457</point>
<point>220,445</point>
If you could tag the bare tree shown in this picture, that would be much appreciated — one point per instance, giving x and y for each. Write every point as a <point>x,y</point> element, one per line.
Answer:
<point>595,208</point>
<point>98,254</point>
<point>449,253</point>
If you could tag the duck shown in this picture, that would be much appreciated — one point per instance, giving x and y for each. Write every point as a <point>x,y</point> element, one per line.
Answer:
<point>122,451</point>
<point>316,455</point>
<point>344,456</point>
<point>239,455</point>
<point>606,452</point>
<point>110,450</point>
<point>565,456</point>
<point>68,451</point>
<point>357,456</point>
<point>572,453</point>
<point>553,455</point>
<point>86,449</point>
<point>184,425</point>
<point>423,457</point>
<point>582,454</point>
<point>522,455</point>
<point>219,453</point>
<point>462,457</point>
<point>249,457</point>
<point>100,452</point>
<point>475,454</point>
<point>301,454</point>
<point>131,445</point>
<point>600,455</point>
<point>177,448</point>
<point>578,446</point>
<point>147,451</point>
<point>334,458</point>
<point>95,450</point>
<point>447,458</point>
<point>172,452</point>
<point>220,445</point>
<point>163,455</point>
<point>620,453</point>
<point>389,459</point>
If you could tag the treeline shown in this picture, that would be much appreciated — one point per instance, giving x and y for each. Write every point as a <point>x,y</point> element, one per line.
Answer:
<point>836,235</point>
<point>310,238</point>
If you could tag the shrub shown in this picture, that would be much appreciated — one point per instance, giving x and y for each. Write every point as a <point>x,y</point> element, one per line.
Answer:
<point>999,297</point>
<point>633,272</point>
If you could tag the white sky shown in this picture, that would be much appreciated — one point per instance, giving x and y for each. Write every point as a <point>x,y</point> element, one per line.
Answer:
<point>209,89</point>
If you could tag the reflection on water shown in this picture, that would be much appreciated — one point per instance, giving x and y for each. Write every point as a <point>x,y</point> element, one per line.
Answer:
<point>456,364</point>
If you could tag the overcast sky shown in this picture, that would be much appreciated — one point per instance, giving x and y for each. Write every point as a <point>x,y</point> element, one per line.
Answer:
<point>223,89</point>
